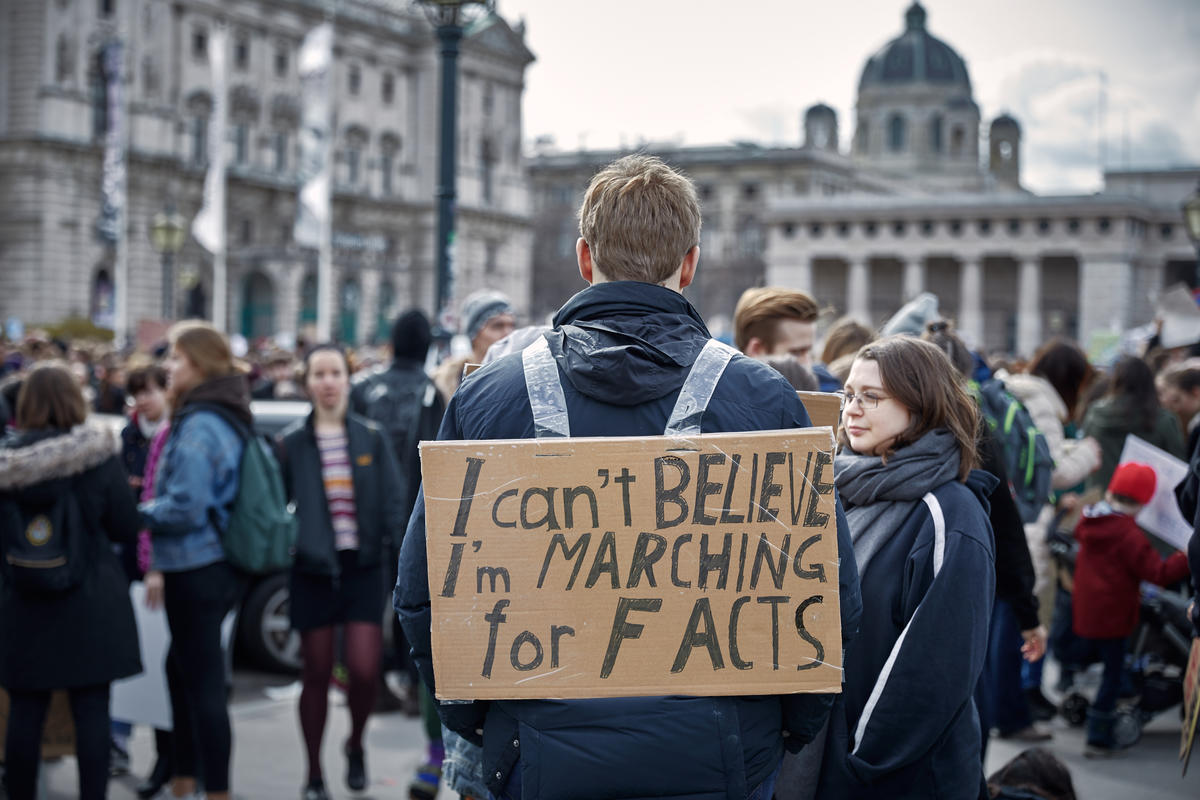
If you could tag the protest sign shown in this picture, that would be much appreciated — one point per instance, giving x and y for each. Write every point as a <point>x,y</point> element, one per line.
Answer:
<point>824,408</point>
<point>143,699</point>
<point>609,567</point>
<point>1161,515</point>
<point>1191,705</point>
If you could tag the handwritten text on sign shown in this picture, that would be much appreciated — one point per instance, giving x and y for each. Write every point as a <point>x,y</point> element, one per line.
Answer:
<point>620,567</point>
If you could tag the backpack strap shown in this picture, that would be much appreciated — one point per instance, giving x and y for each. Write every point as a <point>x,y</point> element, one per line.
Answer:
<point>698,389</point>
<point>549,404</point>
<point>546,398</point>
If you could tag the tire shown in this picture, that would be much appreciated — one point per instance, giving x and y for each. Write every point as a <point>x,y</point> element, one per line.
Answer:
<point>1074,708</point>
<point>265,635</point>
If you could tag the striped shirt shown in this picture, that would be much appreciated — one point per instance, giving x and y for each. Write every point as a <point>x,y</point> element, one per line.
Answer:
<point>339,488</point>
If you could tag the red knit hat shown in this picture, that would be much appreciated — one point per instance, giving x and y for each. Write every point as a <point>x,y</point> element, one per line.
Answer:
<point>1135,481</point>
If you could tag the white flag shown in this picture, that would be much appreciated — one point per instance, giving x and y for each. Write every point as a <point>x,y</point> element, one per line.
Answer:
<point>315,64</point>
<point>209,225</point>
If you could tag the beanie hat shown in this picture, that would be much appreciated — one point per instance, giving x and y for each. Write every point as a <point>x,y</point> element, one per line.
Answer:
<point>1135,481</point>
<point>480,307</point>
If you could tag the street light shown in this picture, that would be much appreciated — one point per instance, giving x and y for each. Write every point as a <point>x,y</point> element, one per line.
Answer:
<point>168,234</point>
<point>449,17</point>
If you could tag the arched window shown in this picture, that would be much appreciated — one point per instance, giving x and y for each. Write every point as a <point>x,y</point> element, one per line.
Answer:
<point>350,298</point>
<point>935,134</point>
<point>308,300</point>
<point>897,133</point>
<point>958,141</point>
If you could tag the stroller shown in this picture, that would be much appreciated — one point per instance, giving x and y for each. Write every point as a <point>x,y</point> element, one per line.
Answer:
<point>1155,661</point>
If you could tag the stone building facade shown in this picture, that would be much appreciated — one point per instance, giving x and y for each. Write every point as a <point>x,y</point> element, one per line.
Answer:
<point>385,79</point>
<point>924,200</point>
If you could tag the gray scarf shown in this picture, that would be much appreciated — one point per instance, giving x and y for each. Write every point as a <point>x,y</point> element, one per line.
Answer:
<point>878,497</point>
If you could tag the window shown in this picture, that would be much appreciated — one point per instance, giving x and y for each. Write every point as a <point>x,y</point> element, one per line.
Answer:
<point>789,230</point>
<point>386,167</point>
<point>897,133</point>
<point>387,88</point>
<point>935,134</point>
<point>1104,224</point>
<point>246,230</point>
<point>1166,231</point>
<point>1073,225</point>
<point>64,60</point>
<point>815,230</point>
<point>1006,151</point>
<point>354,79</point>
<point>955,227</point>
<point>281,60</point>
<point>200,139</point>
<point>491,249</point>
<point>200,43</point>
<point>749,191</point>
<point>1043,226</point>
<point>99,91</point>
<point>1014,226</point>
<point>958,141</point>
<point>489,99</point>
<point>241,143</point>
<point>870,229</point>
<point>984,226</point>
<point>843,229</point>
<point>241,52</point>
<point>487,160</point>
<point>150,80</point>
<point>927,227</point>
<point>281,151</point>
<point>352,157</point>
<point>107,7</point>
<point>862,137</point>
<point>899,228</point>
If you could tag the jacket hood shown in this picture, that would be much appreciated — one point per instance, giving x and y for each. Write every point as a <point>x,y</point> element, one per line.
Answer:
<point>231,392</point>
<point>626,342</point>
<point>1027,388</point>
<point>31,460</point>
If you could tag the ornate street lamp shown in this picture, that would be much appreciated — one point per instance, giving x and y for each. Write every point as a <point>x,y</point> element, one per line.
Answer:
<point>449,17</point>
<point>168,235</point>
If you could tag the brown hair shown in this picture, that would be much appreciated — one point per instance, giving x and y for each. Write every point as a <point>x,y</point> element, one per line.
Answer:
<point>1065,366</point>
<point>639,218</point>
<point>1035,771</point>
<point>759,310</point>
<point>845,338</point>
<point>205,346</point>
<point>920,377</point>
<point>142,378</point>
<point>50,398</point>
<point>941,333</point>
<point>1184,376</point>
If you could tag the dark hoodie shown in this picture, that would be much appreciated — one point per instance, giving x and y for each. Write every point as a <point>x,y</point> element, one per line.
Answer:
<point>623,350</point>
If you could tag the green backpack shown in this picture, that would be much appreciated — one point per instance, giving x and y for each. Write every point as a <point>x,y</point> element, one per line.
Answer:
<point>260,537</point>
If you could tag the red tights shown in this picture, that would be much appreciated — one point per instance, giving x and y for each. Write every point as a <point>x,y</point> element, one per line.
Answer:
<point>362,643</point>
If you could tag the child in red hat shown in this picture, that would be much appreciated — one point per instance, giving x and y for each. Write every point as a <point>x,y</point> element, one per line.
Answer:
<point>1114,558</point>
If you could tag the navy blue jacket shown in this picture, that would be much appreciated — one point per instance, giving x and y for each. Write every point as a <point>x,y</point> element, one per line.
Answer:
<point>927,598</point>
<point>623,350</point>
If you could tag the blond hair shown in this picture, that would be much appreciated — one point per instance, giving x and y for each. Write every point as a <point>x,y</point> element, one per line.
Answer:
<point>759,311</point>
<point>639,218</point>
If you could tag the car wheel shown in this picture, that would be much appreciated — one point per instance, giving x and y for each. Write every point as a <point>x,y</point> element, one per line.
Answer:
<point>265,632</point>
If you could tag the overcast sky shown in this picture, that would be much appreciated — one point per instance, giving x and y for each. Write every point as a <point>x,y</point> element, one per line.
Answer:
<point>712,71</point>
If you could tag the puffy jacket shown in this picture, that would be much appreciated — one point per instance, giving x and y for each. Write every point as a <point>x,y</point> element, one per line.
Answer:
<point>1114,558</point>
<point>84,635</point>
<point>623,350</point>
<point>378,504</point>
<point>927,596</point>
<point>197,478</point>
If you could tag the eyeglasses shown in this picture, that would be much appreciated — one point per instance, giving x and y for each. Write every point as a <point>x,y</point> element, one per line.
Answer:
<point>868,401</point>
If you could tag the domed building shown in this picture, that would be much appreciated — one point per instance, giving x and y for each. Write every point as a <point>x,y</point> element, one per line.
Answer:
<point>916,115</point>
<point>925,200</point>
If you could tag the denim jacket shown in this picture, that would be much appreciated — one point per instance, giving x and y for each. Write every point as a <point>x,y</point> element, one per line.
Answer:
<point>196,483</point>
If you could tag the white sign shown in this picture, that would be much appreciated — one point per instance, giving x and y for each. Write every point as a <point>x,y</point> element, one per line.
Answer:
<point>143,699</point>
<point>1161,515</point>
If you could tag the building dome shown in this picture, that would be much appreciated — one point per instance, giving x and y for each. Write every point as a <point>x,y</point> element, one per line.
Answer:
<point>915,57</point>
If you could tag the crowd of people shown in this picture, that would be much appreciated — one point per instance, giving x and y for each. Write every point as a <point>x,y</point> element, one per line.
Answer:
<point>945,547</point>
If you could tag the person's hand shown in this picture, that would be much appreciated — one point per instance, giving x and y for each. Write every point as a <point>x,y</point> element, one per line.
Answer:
<point>135,482</point>
<point>154,589</point>
<point>1067,503</point>
<point>1035,643</point>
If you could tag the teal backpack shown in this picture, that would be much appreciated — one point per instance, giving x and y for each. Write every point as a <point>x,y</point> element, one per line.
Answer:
<point>260,536</point>
<point>1026,453</point>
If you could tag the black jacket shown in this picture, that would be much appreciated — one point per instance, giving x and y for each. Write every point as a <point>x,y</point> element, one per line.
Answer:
<point>85,635</point>
<point>1014,565</point>
<point>1187,495</point>
<point>623,350</point>
<point>377,495</point>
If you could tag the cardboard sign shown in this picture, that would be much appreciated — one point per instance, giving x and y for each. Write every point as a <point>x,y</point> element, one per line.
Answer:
<point>824,408</point>
<point>1161,516</point>
<point>1191,705</point>
<point>612,567</point>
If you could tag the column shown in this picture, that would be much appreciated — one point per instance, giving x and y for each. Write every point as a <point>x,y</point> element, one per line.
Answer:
<point>369,306</point>
<point>970,305</point>
<point>1105,291</point>
<point>287,298</point>
<point>1029,306</point>
<point>858,275</point>
<point>914,277</point>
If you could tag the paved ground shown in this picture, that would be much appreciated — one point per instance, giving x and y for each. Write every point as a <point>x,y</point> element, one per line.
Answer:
<point>268,762</point>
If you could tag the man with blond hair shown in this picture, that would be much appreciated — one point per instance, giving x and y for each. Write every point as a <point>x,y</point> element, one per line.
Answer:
<point>613,365</point>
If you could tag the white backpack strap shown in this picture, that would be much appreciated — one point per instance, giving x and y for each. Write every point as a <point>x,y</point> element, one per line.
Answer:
<point>698,389</point>
<point>546,398</point>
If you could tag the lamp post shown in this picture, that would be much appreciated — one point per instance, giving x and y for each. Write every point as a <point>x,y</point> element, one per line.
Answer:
<point>168,234</point>
<point>449,17</point>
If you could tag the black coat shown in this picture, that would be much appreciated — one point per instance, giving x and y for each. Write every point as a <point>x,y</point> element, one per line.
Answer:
<point>86,635</point>
<point>378,494</point>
